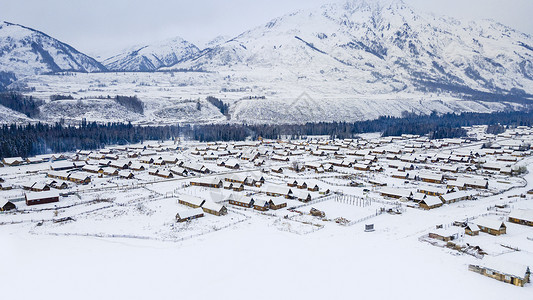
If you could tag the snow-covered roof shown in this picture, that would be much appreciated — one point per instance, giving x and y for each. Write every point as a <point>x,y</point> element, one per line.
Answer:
<point>522,214</point>
<point>489,223</point>
<point>212,206</point>
<point>506,267</point>
<point>184,214</point>
<point>432,200</point>
<point>191,199</point>
<point>41,195</point>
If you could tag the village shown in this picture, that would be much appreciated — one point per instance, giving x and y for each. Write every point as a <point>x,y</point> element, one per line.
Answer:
<point>468,197</point>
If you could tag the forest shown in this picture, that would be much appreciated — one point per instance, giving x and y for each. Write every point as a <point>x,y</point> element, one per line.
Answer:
<point>33,139</point>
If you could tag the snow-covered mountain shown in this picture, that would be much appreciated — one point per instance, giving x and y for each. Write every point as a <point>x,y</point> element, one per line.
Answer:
<point>381,47</point>
<point>25,51</point>
<point>152,57</point>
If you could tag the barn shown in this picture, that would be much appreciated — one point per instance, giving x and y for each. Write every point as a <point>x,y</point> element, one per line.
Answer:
<point>33,198</point>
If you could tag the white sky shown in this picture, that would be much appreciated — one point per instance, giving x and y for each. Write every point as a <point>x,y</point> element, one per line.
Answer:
<point>104,27</point>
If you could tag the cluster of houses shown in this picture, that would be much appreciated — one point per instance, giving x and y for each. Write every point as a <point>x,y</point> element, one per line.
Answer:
<point>428,197</point>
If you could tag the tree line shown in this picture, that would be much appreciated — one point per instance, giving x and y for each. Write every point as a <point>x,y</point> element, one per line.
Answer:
<point>33,139</point>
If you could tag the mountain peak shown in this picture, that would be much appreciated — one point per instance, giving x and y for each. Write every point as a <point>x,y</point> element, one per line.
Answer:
<point>150,57</point>
<point>26,51</point>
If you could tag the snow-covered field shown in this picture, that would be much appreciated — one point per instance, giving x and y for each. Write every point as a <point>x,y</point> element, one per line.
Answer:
<point>118,238</point>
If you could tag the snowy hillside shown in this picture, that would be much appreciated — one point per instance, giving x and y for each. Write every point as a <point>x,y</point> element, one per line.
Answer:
<point>382,46</point>
<point>152,57</point>
<point>25,51</point>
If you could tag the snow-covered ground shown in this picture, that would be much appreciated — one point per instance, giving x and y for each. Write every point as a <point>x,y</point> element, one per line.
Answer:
<point>122,240</point>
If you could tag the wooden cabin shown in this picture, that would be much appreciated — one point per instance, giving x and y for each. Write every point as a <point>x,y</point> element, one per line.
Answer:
<point>444,235</point>
<point>191,201</point>
<point>213,208</point>
<point>491,226</point>
<point>472,229</point>
<point>190,214</point>
<point>212,182</point>
<point>6,205</point>
<point>242,201</point>
<point>522,217</point>
<point>34,198</point>
<point>12,161</point>
<point>261,204</point>
<point>79,178</point>
<point>277,203</point>
<point>395,193</point>
<point>430,202</point>
<point>126,174</point>
<point>508,272</point>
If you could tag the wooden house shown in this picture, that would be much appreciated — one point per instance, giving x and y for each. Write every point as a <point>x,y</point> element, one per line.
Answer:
<point>304,196</point>
<point>93,169</point>
<point>179,171</point>
<point>522,216</point>
<point>213,208</point>
<point>6,205</point>
<point>79,178</point>
<point>195,167</point>
<point>491,226</point>
<point>278,170</point>
<point>472,229</point>
<point>277,191</point>
<point>137,166</point>
<point>212,182</point>
<point>191,201</point>
<point>109,171</point>
<point>227,185</point>
<point>277,203</point>
<point>126,174</point>
<point>456,196</point>
<point>430,202</point>
<point>509,272</point>
<point>432,191</point>
<point>395,193</point>
<point>444,235</point>
<point>261,204</point>
<point>12,161</point>
<point>245,201</point>
<point>190,214</point>
<point>34,198</point>
<point>432,178</point>
<point>238,187</point>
